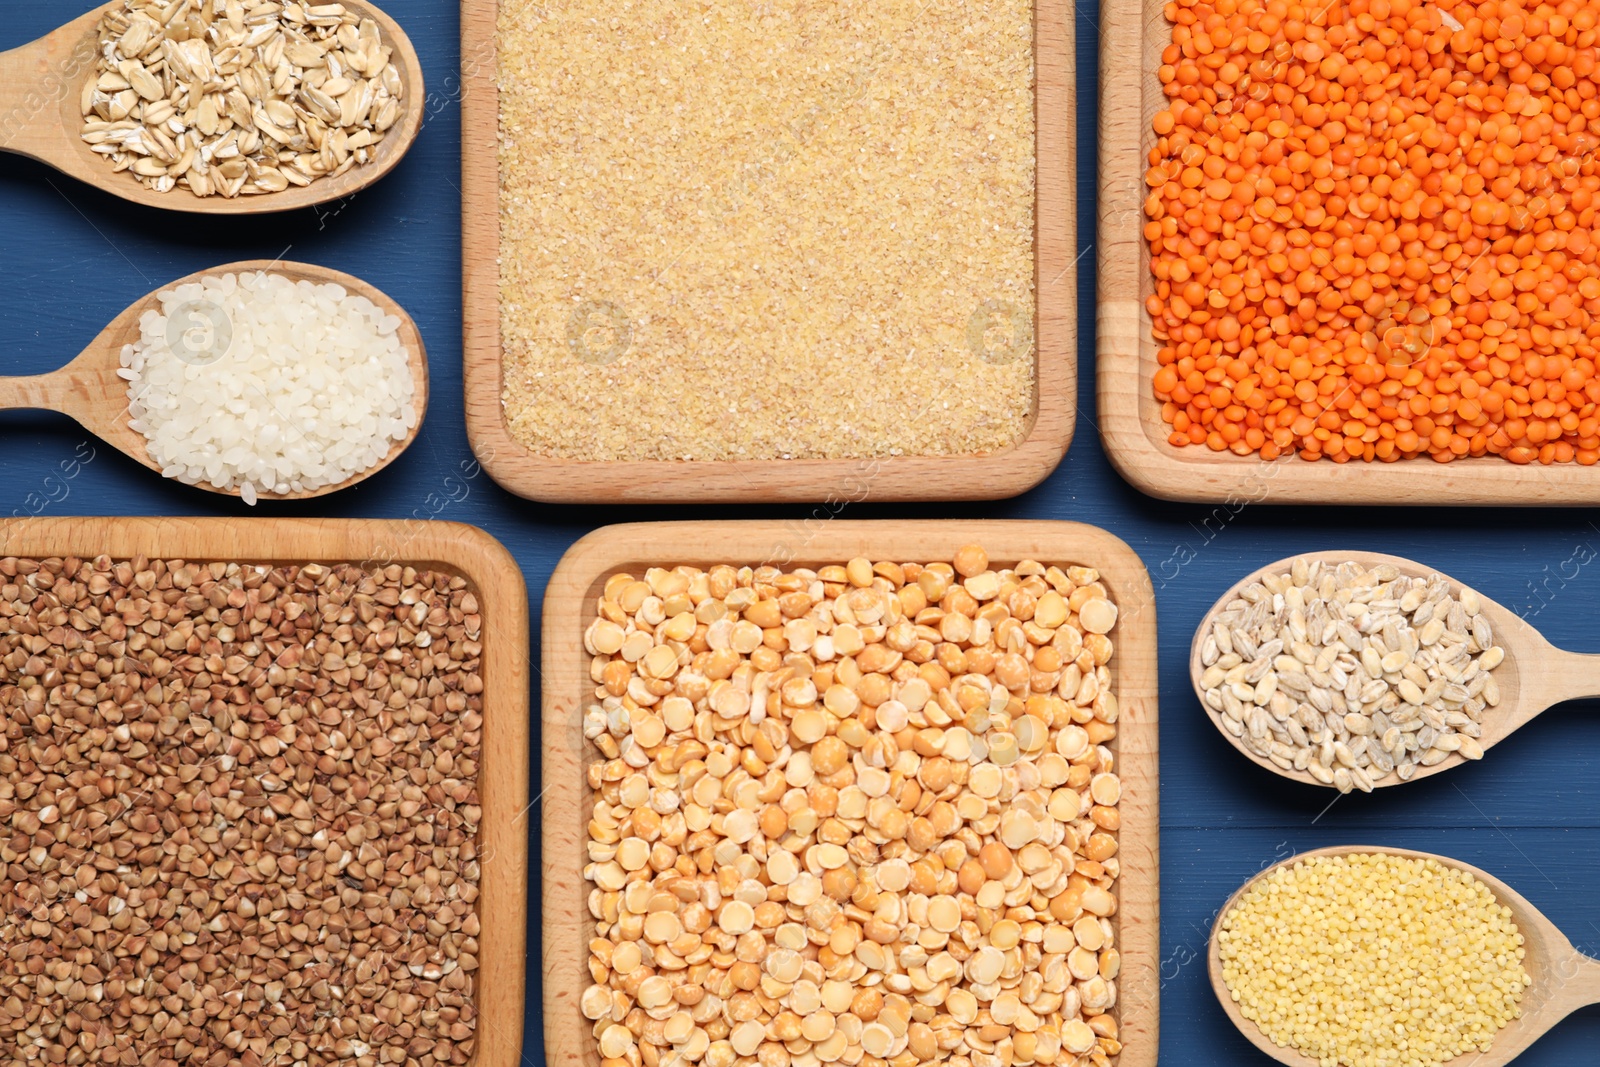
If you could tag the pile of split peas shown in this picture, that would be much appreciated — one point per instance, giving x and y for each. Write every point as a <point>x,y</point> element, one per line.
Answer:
<point>1371,229</point>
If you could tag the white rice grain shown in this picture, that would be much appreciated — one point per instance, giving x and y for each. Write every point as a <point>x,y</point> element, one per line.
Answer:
<point>312,387</point>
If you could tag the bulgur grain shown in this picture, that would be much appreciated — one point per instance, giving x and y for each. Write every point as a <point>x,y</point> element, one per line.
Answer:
<point>769,231</point>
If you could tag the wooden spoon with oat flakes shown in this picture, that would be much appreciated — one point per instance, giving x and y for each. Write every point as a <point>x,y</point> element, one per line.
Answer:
<point>1533,675</point>
<point>45,86</point>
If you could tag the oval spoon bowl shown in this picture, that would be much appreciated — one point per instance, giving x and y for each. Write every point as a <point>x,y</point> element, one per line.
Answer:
<point>91,391</point>
<point>1563,979</point>
<point>40,117</point>
<point>1533,676</point>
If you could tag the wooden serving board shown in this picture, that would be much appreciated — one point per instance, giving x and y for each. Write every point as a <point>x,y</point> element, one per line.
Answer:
<point>1131,427</point>
<point>977,477</point>
<point>503,767</point>
<point>568,801</point>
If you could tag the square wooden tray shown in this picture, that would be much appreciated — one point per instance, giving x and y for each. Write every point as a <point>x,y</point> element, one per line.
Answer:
<point>979,477</point>
<point>503,769</point>
<point>569,604</point>
<point>1131,428</point>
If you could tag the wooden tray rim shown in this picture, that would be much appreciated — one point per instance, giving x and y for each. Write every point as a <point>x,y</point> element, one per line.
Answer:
<point>1131,429</point>
<point>503,770</point>
<point>980,477</point>
<point>611,548</point>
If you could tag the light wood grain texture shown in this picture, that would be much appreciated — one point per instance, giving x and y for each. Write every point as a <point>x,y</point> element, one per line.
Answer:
<point>979,477</point>
<point>1534,676</point>
<point>90,390</point>
<point>1564,979</point>
<point>569,606</point>
<point>503,767</point>
<point>40,117</point>
<point>1131,427</point>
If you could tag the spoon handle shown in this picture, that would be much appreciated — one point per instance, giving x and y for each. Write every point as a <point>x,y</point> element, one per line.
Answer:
<point>34,391</point>
<point>40,86</point>
<point>1580,983</point>
<point>1591,980</point>
<point>34,79</point>
<point>20,102</point>
<point>86,390</point>
<point>1565,676</point>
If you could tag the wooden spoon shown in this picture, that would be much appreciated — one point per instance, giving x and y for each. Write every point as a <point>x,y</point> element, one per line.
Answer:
<point>1564,979</point>
<point>1534,675</point>
<point>90,390</point>
<point>40,117</point>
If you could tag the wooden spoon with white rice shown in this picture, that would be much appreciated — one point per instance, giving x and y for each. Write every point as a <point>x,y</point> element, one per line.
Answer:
<point>229,379</point>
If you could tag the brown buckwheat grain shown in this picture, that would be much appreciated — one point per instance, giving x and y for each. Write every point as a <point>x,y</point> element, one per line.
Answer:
<point>238,814</point>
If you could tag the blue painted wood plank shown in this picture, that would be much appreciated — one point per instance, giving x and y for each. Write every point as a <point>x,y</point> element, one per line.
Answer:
<point>74,257</point>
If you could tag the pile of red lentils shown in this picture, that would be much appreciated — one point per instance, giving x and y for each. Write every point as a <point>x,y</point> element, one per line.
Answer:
<point>1371,229</point>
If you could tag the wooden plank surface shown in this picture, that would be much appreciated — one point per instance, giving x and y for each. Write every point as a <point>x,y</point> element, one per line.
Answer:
<point>982,477</point>
<point>1131,427</point>
<point>569,607</point>
<point>503,766</point>
<point>1531,815</point>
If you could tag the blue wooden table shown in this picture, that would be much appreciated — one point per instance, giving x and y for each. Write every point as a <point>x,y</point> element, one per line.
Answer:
<point>1530,813</point>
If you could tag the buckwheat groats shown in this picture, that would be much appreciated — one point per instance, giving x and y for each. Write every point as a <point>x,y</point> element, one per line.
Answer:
<point>766,231</point>
<point>862,814</point>
<point>239,813</point>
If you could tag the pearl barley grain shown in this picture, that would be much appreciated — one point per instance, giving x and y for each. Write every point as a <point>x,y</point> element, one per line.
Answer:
<point>1349,672</point>
<point>868,783</point>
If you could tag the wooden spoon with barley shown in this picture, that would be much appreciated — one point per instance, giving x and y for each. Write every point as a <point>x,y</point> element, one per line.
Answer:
<point>1534,676</point>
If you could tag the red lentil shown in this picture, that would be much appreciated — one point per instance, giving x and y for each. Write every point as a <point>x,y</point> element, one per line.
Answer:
<point>1371,226</point>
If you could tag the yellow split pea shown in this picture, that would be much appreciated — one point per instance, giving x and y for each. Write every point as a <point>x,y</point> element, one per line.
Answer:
<point>826,832</point>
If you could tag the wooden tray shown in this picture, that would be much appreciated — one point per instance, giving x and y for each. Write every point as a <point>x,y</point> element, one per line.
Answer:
<point>569,604</point>
<point>1131,428</point>
<point>503,768</point>
<point>979,477</point>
